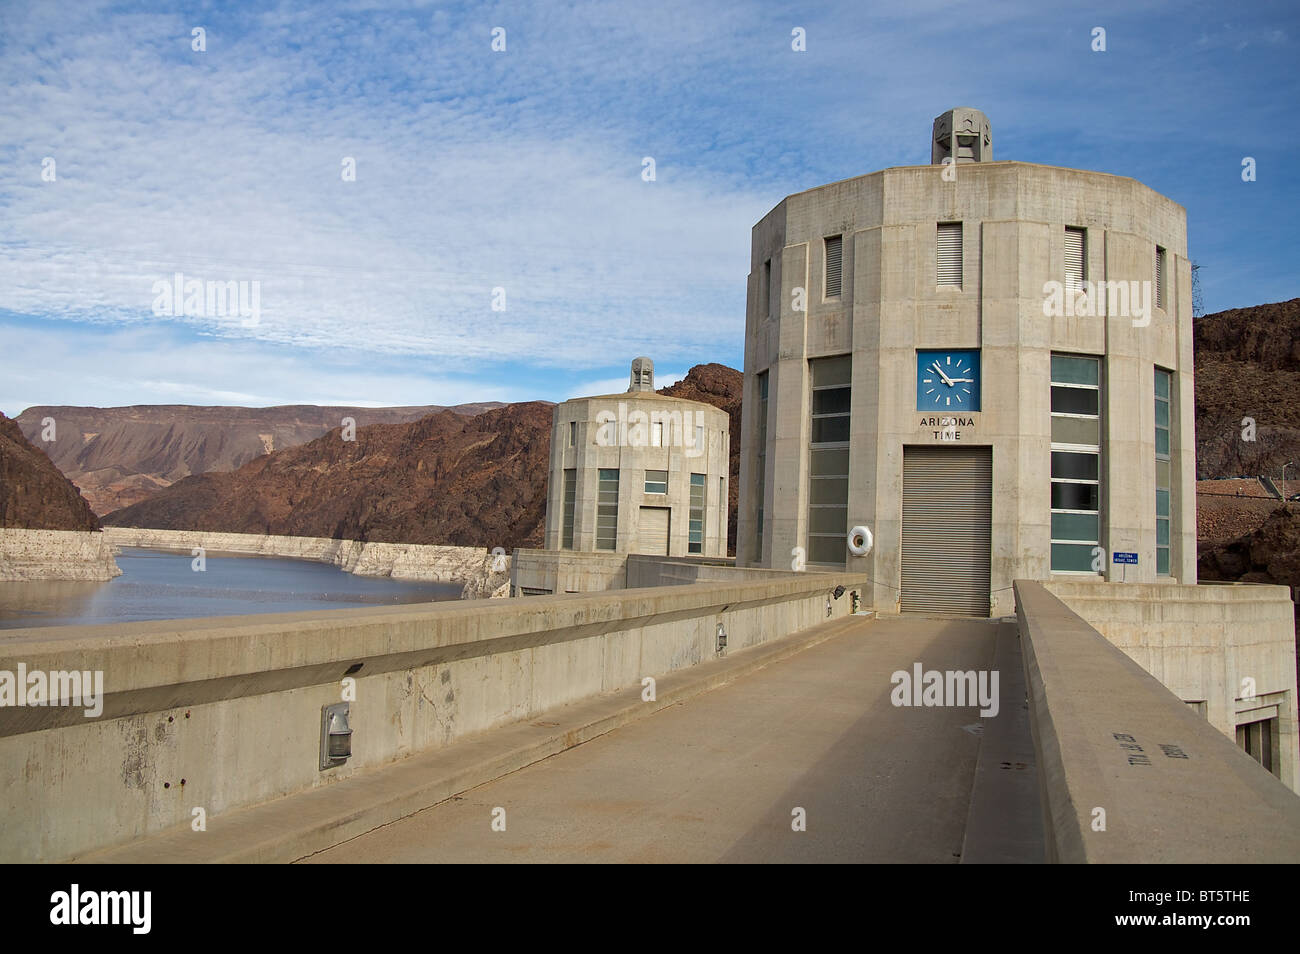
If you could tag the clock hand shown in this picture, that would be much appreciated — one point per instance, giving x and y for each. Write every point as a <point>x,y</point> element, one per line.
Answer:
<point>946,380</point>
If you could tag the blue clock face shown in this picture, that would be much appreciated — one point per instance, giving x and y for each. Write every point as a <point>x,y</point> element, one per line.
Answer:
<point>947,380</point>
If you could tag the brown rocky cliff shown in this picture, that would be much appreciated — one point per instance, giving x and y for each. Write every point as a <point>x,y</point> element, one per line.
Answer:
<point>33,494</point>
<point>118,456</point>
<point>1268,554</point>
<point>1247,366</point>
<point>1266,336</point>
<point>443,479</point>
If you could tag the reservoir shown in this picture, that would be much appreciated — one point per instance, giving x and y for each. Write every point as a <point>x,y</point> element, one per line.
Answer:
<point>163,585</point>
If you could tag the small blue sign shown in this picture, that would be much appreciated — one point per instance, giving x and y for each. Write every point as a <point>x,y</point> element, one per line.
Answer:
<point>1126,558</point>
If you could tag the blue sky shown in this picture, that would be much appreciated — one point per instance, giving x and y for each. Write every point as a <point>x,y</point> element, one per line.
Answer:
<point>522,170</point>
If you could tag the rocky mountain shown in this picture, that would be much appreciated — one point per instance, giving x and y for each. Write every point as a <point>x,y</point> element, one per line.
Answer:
<point>446,478</point>
<point>33,494</point>
<point>443,479</point>
<point>118,456</point>
<point>1247,386</point>
<point>1268,554</point>
<point>1247,367</point>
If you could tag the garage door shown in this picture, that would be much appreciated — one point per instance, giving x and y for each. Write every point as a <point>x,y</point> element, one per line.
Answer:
<point>652,531</point>
<point>947,515</point>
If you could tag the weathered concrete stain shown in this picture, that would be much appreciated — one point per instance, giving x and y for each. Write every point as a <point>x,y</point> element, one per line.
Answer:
<point>135,751</point>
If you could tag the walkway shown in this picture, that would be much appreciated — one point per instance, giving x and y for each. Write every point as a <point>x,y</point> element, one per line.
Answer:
<point>718,778</point>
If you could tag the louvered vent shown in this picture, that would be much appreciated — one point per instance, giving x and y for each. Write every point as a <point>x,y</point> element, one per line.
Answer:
<point>834,265</point>
<point>948,254</point>
<point>1074,274</point>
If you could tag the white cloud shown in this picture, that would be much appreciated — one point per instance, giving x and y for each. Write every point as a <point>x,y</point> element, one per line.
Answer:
<point>225,166</point>
<point>523,170</point>
<point>153,366</point>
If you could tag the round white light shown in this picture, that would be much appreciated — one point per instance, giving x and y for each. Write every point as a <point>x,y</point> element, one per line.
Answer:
<point>860,541</point>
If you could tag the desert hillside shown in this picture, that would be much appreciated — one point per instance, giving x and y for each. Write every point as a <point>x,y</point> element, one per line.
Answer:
<point>33,494</point>
<point>118,456</point>
<point>1247,366</point>
<point>445,478</point>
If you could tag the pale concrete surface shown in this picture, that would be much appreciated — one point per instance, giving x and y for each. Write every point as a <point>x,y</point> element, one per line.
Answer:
<point>1129,773</point>
<point>616,431</point>
<point>290,828</point>
<point>224,713</point>
<point>1014,217</point>
<point>1203,643</point>
<point>1005,824</point>
<point>545,572</point>
<point>717,778</point>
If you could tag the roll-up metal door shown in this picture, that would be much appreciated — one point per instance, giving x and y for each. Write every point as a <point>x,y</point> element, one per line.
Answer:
<point>947,520</point>
<point>652,531</point>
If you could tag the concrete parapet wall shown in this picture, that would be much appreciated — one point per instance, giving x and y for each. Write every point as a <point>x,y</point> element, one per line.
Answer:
<point>401,561</point>
<point>572,571</point>
<point>1109,736</point>
<point>1209,643</point>
<point>672,571</point>
<point>567,571</point>
<point>225,712</point>
<point>40,555</point>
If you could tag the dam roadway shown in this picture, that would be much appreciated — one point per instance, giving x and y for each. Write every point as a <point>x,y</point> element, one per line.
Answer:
<point>531,712</point>
<point>721,776</point>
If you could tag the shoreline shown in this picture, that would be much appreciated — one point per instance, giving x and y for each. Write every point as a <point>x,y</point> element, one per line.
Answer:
<point>473,567</point>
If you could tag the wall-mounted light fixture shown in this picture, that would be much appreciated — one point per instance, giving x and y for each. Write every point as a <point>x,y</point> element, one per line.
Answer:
<point>860,541</point>
<point>335,735</point>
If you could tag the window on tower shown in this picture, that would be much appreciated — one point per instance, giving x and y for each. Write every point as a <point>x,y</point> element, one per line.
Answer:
<point>1076,465</point>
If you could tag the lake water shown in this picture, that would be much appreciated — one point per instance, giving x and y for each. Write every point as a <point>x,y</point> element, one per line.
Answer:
<point>160,585</point>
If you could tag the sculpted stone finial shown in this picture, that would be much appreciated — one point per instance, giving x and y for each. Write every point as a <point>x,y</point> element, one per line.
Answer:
<point>643,375</point>
<point>963,134</point>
